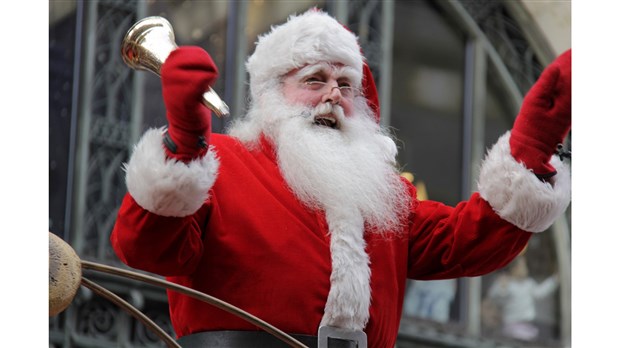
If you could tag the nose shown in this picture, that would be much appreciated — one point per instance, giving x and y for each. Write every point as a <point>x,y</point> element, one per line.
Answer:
<point>332,95</point>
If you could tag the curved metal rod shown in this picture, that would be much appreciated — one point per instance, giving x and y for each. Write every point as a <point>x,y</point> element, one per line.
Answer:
<point>99,290</point>
<point>283,336</point>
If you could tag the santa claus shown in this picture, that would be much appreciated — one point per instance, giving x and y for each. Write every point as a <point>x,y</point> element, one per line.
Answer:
<point>299,215</point>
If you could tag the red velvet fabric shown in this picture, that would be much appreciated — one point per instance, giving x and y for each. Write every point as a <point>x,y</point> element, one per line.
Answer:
<point>186,75</point>
<point>254,245</point>
<point>370,92</point>
<point>544,119</point>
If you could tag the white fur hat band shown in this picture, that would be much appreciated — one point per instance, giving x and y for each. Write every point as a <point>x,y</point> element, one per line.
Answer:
<point>304,39</point>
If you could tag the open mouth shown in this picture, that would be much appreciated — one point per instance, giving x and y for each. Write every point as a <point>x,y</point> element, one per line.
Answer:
<point>326,121</point>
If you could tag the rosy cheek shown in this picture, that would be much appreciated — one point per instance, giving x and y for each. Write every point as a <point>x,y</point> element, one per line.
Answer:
<point>300,97</point>
<point>310,98</point>
<point>347,107</point>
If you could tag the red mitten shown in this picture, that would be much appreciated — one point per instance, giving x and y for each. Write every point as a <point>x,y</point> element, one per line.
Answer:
<point>544,119</point>
<point>186,75</point>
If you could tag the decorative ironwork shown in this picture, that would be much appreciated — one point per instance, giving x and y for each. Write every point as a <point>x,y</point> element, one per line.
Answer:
<point>507,38</point>
<point>110,114</point>
<point>92,321</point>
<point>97,319</point>
<point>144,337</point>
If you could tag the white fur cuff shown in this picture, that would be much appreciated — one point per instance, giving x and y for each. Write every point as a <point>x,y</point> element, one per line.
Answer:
<point>167,187</point>
<point>517,195</point>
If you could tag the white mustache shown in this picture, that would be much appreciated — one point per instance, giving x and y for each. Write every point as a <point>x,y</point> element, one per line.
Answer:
<point>328,108</point>
<point>324,109</point>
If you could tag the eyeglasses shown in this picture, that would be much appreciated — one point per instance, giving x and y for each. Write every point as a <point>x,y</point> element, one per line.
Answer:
<point>346,91</point>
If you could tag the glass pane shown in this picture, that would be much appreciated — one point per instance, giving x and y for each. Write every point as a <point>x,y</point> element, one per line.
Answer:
<point>499,117</point>
<point>62,22</point>
<point>430,300</point>
<point>521,301</point>
<point>427,98</point>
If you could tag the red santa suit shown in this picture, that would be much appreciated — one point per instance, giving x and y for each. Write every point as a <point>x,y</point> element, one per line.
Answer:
<point>228,225</point>
<point>254,245</point>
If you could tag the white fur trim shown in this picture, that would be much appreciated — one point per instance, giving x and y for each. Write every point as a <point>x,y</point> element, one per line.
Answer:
<point>168,187</point>
<point>348,302</point>
<point>517,195</point>
<point>305,39</point>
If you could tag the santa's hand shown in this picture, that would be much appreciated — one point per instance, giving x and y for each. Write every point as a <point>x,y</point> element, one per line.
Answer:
<point>186,75</point>
<point>544,119</point>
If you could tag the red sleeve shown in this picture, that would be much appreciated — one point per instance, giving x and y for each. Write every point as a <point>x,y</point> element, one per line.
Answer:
<point>463,241</point>
<point>169,246</point>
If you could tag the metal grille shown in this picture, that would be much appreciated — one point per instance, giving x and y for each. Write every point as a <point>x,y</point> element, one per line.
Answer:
<point>110,114</point>
<point>106,102</point>
<point>507,38</point>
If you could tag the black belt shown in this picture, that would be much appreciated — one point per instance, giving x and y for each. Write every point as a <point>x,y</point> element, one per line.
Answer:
<point>252,339</point>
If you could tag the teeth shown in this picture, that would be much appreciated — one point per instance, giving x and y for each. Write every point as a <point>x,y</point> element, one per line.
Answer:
<point>325,121</point>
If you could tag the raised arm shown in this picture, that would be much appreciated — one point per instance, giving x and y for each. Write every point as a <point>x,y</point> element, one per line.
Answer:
<point>170,173</point>
<point>523,187</point>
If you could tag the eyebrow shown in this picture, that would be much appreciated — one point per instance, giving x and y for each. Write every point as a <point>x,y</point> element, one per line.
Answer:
<point>309,70</point>
<point>322,67</point>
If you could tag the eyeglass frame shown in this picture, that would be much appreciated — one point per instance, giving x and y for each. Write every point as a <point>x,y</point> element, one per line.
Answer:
<point>344,90</point>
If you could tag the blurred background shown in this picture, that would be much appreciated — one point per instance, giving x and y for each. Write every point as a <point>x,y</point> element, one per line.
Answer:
<point>451,76</point>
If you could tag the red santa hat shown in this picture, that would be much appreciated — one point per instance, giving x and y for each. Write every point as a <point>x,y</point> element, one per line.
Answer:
<point>309,38</point>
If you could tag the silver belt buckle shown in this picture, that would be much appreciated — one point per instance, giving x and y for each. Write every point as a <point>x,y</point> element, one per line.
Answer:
<point>326,332</point>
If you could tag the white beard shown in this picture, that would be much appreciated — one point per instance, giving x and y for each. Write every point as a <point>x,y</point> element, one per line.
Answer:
<point>349,173</point>
<point>352,168</point>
